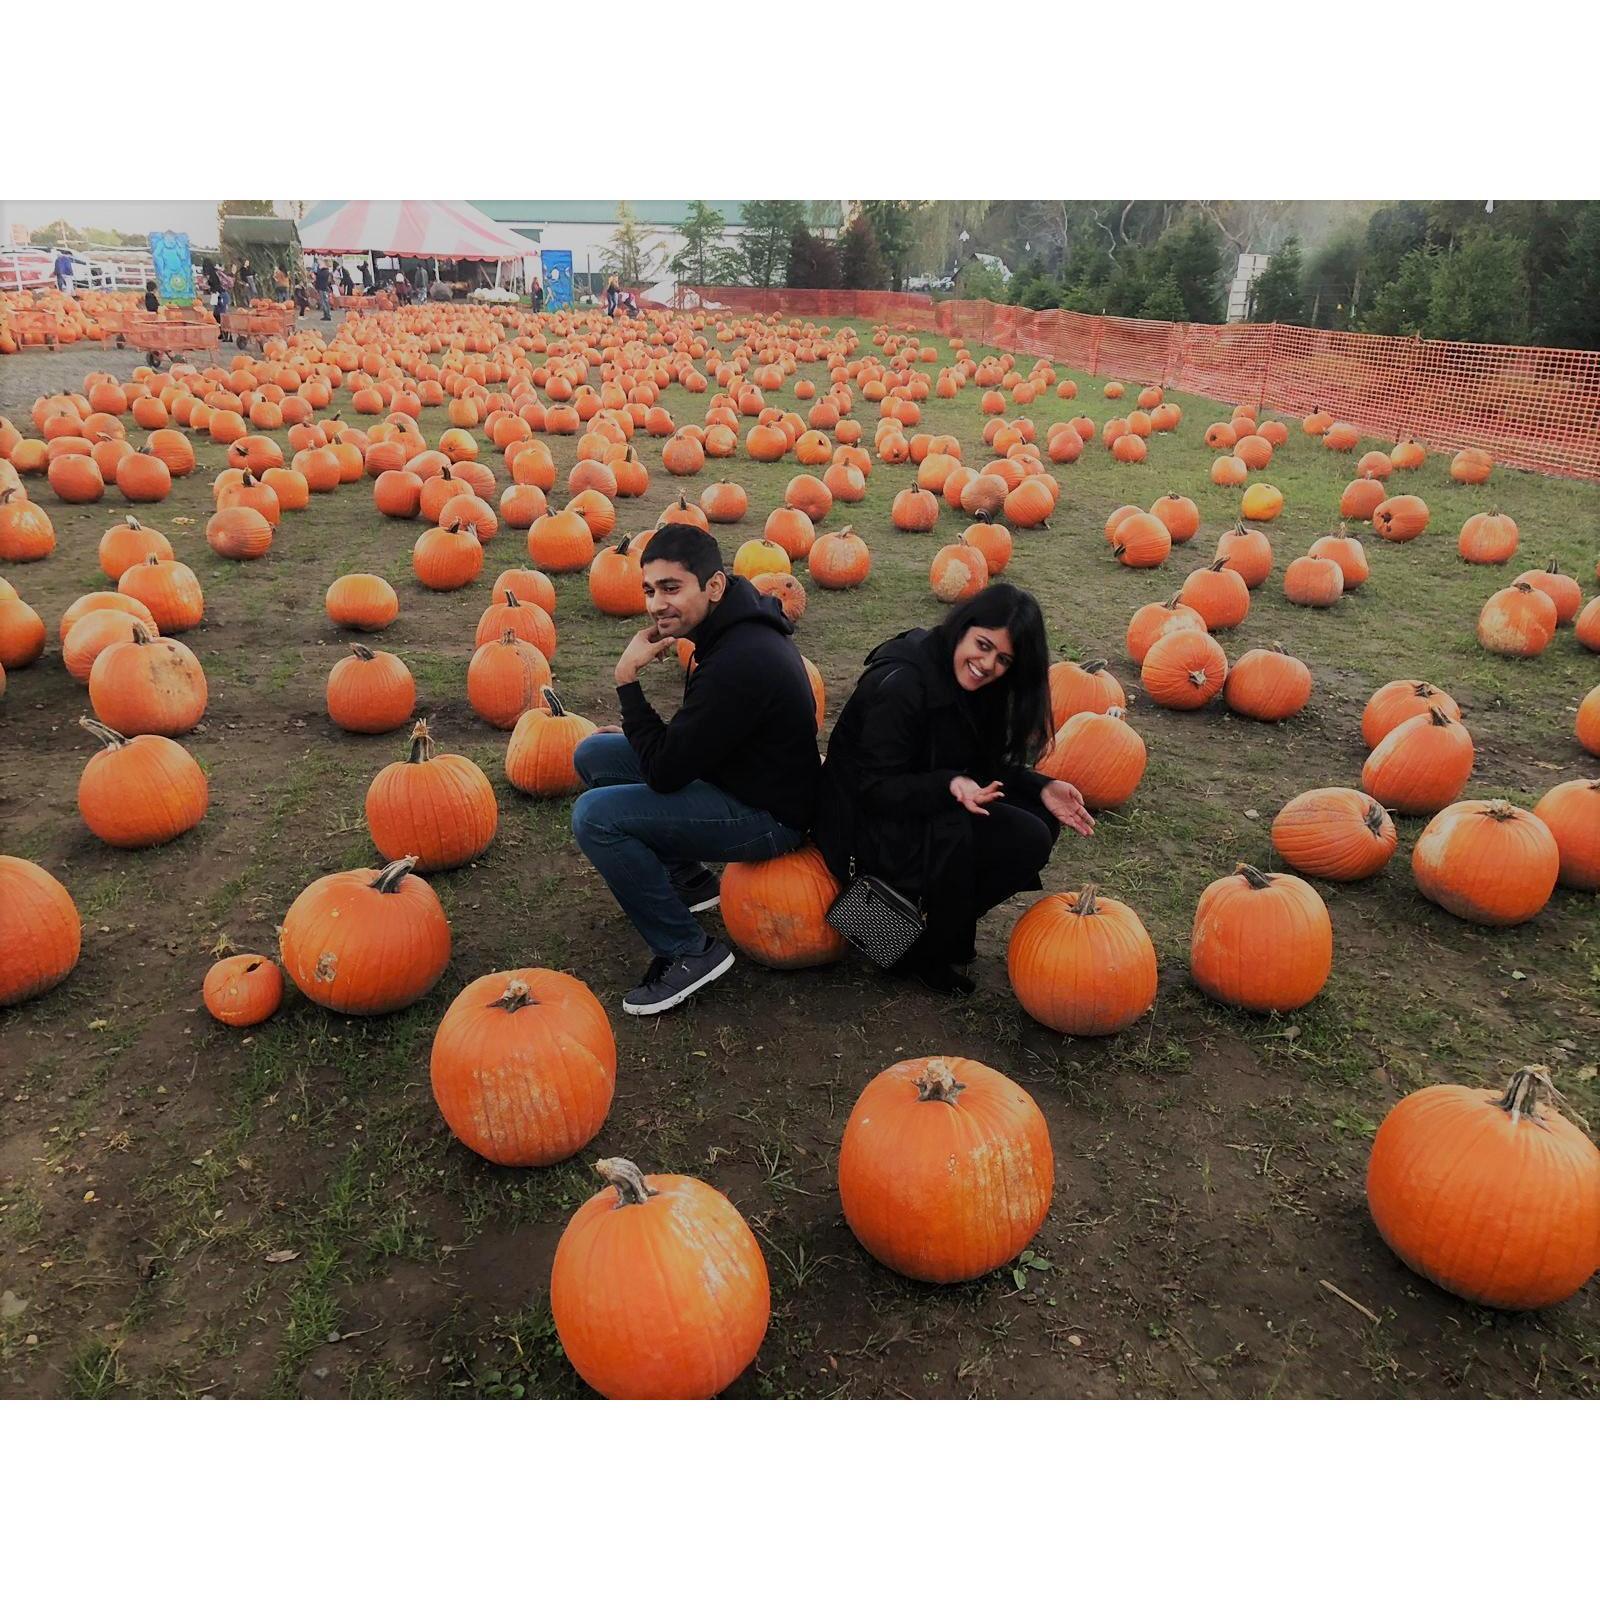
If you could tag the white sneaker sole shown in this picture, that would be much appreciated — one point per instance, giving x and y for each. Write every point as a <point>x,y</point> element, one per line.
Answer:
<point>710,903</point>
<point>682,995</point>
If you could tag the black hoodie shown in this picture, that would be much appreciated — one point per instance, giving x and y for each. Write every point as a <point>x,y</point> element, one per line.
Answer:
<point>748,722</point>
<point>885,805</point>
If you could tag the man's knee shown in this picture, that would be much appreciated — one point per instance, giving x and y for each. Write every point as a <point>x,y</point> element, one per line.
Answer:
<point>589,821</point>
<point>589,751</point>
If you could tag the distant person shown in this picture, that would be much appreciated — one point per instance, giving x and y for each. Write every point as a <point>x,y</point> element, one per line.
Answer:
<point>322,279</point>
<point>280,284</point>
<point>151,303</point>
<point>401,285</point>
<point>536,294</point>
<point>366,276</point>
<point>247,284</point>
<point>613,293</point>
<point>63,271</point>
<point>347,284</point>
<point>420,281</point>
<point>302,294</point>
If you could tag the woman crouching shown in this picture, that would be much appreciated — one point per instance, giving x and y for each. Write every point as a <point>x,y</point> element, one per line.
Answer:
<point>929,783</point>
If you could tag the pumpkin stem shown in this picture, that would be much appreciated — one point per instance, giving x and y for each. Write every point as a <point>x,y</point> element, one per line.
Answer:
<point>508,636</point>
<point>1437,717</point>
<point>389,878</point>
<point>1087,904</point>
<point>133,521</point>
<point>108,736</point>
<point>1501,811</point>
<point>1254,876</point>
<point>421,744</point>
<point>511,599</point>
<point>937,1082</point>
<point>553,701</point>
<point>1528,1090</point>
<point>363,652</point>
<point>142,633</point>
<point>628,1180</point>
<point>517,995</point>
<point>1099,664</point>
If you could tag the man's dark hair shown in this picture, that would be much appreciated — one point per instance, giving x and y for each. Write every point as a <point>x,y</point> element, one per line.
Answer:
<point>689,546</point>
<point>1020,700</point>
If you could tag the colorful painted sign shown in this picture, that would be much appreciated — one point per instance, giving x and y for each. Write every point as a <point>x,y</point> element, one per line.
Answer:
<point>174,268</point>
<point>557,278</point>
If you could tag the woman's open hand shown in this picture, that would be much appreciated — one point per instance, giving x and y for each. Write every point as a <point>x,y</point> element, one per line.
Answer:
<point>972,794</point>
<point>1065,803</point>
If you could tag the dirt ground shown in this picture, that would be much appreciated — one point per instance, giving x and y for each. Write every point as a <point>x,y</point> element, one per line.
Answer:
<point>185,1210</point>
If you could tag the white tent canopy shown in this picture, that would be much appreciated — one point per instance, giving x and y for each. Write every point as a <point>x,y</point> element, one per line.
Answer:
<point>445,230</point>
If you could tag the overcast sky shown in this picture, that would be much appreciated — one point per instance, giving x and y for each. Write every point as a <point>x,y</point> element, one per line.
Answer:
<point>197,218</point>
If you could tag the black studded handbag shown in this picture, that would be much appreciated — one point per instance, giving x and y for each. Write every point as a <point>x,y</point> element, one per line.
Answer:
<point>878,920</point>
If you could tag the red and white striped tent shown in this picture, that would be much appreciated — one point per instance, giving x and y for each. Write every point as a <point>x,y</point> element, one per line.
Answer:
<point>449,230</point>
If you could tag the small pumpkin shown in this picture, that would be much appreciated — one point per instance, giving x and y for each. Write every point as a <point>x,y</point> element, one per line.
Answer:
<point>1518,621</point>
<point>1571,811</point>
<point>1399,700</point>
<point>1268,685</point>
<point>506,677</point>
<point>139,792</point>
<point>361,600</point>
<point>1184,670</point>
<point>243,991</point>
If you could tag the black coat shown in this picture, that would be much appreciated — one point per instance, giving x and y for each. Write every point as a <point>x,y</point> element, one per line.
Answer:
<point>905,732</point>
<point>748,723</point>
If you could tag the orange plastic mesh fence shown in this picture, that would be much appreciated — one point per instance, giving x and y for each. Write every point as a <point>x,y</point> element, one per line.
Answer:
<point>1528,407</point>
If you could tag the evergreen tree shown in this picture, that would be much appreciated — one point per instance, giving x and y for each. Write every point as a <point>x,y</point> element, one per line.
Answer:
<point>704,258</point>
<point>631,252</point>
<point>813,262</point>
<point>1572,300</point>
<point>893,222</point>
<point>977,280</point>
<point>764,245</point>
<point>1192,254</point>
<point>1165,301</point>
<point>1401,305</point>
<point>1278,293</point>
<point>1393,233</point>
<point>861,263</point>
<point>1480,292</point>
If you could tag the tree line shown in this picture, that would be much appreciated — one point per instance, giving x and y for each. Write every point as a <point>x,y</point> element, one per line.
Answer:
<point>1514,272</point>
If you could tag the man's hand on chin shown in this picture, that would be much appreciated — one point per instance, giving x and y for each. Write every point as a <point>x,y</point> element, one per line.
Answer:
<point>643,648</point>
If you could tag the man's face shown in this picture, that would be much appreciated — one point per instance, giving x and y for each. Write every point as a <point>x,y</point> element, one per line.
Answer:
<point>675,600</point>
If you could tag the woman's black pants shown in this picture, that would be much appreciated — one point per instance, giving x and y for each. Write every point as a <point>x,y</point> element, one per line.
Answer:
<point>1009,847</point>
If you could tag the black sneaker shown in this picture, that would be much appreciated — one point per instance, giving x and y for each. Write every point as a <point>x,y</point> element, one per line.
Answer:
<point>697,886</point>
<point>677,979</point>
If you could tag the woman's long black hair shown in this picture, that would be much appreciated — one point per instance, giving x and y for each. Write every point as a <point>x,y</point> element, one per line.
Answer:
<point>1020,701</point>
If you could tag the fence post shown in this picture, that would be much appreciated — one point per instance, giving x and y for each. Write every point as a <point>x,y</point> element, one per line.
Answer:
<point>1094,354</point>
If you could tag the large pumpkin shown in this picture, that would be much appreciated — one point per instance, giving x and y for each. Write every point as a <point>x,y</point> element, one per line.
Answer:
<point>366,942</point>
<point>1397,702</point>
<point>658,1289</point>
<point>40,932</point>
<point>1571,811</point>
<point>1339,834</point>
<point>1100,754</point>
<point>1261,940</point>
<point>1488,862</point>
<point>1494,1196</point>
<point>524,1065</point>
<point>774,910</point>
<point>148,685</point>
<point>540,750</point>
<point>1421,764</point>
<point>371,691</point>
<point>439,811</point>
<point>141,791</point>
<point>1184,670</point>
<point>1268,685</point>
<point>1082,964</point>
<point>945,1170</point>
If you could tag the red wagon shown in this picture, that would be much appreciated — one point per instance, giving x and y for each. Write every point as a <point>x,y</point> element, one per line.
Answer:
<point>259,323</point>
<point>170,335</point>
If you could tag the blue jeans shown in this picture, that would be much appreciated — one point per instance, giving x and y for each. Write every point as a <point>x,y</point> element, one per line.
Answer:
<point>635,836</point>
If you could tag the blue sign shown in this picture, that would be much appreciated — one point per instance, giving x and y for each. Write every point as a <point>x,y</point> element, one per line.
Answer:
<point>174,268</point>
<point>557,278</point>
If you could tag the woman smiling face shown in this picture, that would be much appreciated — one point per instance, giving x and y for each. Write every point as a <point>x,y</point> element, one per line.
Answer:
<point>982,655</point>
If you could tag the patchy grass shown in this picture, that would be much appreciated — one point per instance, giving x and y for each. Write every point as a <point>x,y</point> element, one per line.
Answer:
<point>282,1212</point>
